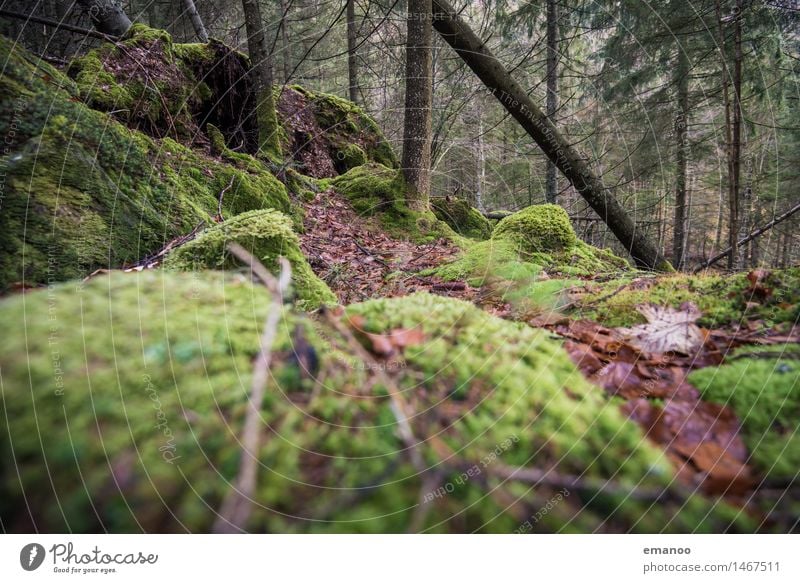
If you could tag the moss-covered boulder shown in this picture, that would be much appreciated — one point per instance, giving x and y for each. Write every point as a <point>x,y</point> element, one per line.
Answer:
<point>537,229</point>
<point>126,396</point>
<point>326,135</point>
<point>462,217</point>
<point>163,88</point>
<point>83,192</point>
<point>267,235</point>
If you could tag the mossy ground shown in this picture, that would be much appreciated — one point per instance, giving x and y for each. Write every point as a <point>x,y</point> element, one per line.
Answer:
<point>762,386</point>
<point>128,395</point>
<point>462,218</point>
<point>267,235</point>
<point>85,192</point>
<point>723,299</point>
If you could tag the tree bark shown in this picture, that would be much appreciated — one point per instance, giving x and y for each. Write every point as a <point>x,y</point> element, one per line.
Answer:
<point>197,22</point>
<point>736,148</point>
<point>571,164</point>
<point>261,76</point>
<point>107,16</point>
<point>681,160</point>
<point>419,95</point>
<point>287,56</point>
<point>551,190</point>
<point>352,57</point>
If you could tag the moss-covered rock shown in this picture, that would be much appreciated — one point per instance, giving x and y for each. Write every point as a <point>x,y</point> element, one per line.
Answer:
<point>463,218</point>
<point>267,235</point>
<point>126,396</point>
<point>84,192</point>
<point>762,386</point>
<point>327,135</point>
<point>538,228</point>
<point>722,299</point>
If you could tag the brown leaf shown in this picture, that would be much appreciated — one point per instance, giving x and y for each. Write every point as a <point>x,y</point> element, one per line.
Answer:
<point>667,330</point>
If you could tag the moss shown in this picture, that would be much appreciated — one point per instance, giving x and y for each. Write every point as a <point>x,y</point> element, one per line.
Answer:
<point>351,156</point>
<point>722,299</point>
<point>538,228</point>
<point>345,124</point>
<point>765,395</point>
<point>267,235</point>
<point>463,218</point>
<point>84,192</point>
<point>142,381</point>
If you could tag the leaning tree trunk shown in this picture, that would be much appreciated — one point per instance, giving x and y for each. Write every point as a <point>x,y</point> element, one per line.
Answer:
<point>352,57</point>
<point>517,102</point>
<point>261,72</point>
<point>419,95</point>
<point>197,22</point>
<point>551,191</point>
<point>107,16</point>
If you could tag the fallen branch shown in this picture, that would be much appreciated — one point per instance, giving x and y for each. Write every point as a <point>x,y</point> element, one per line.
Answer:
<point>237,506</point>
<point>59,25</point>
<point>221,196</point>
<point>750,237</point>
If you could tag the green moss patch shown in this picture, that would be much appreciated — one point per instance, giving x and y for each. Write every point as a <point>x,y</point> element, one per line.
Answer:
<point>723,299</point>
<point>267,235</point>
<point>538,228</point>
<point>128,394</point>
<point>462,218</point>
<point>763,389</point>
<point>85,192</point>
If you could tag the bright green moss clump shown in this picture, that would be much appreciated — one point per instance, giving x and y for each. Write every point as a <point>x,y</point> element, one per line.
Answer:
<point>351,156</point>
<point>538,228</point>
<point>722,299</point>
<point>129,393</point>
<point>463,218</point>
<point>267,235</point>
<point>84,192</point>
<point>764,393</point>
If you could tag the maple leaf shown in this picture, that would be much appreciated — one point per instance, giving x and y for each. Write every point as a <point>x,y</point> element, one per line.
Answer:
<point>667,329</point>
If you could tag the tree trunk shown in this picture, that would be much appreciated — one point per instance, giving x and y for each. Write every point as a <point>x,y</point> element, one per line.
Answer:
<point>287,56</point>
<point>571,164</point>
<point>419,95</point>
<point>681,159</point>
<point>352,57</point>
<point>107,16</point>
<point>197,22</point>
<point>736,143</point>
<point>261,75</point>
<point>551,191</point>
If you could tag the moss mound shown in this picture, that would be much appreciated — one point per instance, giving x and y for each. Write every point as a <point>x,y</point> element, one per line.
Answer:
<point>267,235</point>
<point>327,135</point>
<point>375,190</point>
<point>722,299</point>
<point>538,228</point>
<point>127,395</point>
<point>763,389</point>
<point>463,218</point>
<point>84,192</point>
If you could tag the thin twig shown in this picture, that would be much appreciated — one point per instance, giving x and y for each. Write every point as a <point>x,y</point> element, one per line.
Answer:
<point>59,25</point>
<point>237,506</point>
<point>221,196</point>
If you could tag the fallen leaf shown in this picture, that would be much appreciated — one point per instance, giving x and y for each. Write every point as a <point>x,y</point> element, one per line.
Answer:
<point>667,330</point>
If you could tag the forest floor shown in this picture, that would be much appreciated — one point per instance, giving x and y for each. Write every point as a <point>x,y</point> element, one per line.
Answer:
<point>646,365</point>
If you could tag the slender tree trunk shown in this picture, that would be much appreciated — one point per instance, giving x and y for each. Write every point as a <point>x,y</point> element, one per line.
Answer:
<point>107,16</point>
<point>352,57</point>
<point>681,160</point>
<point>481,169</point>
<point>566,158</point>
<point>287,55</point>
<point>552,90</point>
<point>197,22</point>
<point>261,72</point>
<point>736,144</point>
<point>419,95</point>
